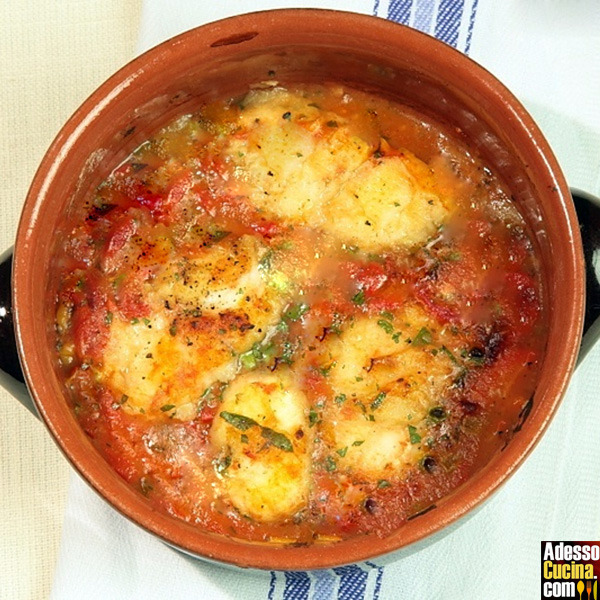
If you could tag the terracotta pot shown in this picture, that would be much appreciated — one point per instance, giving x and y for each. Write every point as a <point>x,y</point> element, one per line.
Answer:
<point>221,59</point>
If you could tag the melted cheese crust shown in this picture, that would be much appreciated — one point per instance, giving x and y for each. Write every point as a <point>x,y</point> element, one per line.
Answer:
<point>219,305</point>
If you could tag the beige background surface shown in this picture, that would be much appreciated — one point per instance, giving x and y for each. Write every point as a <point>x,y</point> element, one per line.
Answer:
<point>52,55</point>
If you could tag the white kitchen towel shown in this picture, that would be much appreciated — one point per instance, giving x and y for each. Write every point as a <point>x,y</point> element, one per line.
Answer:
<point>548,53</point>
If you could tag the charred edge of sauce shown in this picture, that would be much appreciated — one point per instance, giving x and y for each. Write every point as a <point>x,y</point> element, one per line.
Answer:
<point>99,211</point>
<point>129,131</point>
<point>238,38</point>
<point>421,512</point>
<point>523,415</point>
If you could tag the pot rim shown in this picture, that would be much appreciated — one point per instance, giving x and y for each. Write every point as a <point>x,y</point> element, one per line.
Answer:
<point>62,424</point>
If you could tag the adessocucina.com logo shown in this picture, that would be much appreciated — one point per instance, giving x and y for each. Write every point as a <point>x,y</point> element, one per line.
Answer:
<point>569,570</point>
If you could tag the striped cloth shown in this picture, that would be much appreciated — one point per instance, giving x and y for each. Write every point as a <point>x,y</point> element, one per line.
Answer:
<point>450,21</point>
<point>353,582</point>
<point>544,51</point>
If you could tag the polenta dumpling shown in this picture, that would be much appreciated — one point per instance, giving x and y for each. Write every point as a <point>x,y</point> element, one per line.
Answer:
<point>387,202</point>
<point>289,156</point>
<point>207,309</point>
<point>388,379</point>
<point>262,432</point>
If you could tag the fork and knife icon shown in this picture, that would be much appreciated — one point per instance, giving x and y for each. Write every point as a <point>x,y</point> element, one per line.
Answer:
<point>588,588</point>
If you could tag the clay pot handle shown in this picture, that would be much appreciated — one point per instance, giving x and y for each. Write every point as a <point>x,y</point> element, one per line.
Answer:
<point>588,213</point>
<point>11,375</point>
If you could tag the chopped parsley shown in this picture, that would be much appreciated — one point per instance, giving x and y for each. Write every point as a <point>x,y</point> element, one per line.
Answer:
<point>386,326</point>
<point>340,399</point>
<point>378,400</point>
<point>238,421</point>
<point>277,439</point>
<point>296,312</point>
<point>330,464</point>
<point>415,438</point>
<point>423,338</point>
<point>359,298</point>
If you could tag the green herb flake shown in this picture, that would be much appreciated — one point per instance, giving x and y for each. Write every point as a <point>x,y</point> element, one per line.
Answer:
<point>378,400</point>
<point>222,464</point>
<point>382,484</point>
<point>173,330</point>
<point>449,354</point>
<point>287,115</point>
<point>108,318</point>
<point>386,326</point>
<point>277,439</point>
<point>325,370</point>
<point>287,353</point>
<point>330,464</point>
<point>296,312</point>
<point>266,261</point>
<point>238,421</point>
<point>248,360</point>
<point>396,337</point>
<point>388,316</point>
<point>244,438</point>
<point>340,399</point>
<point>423,338</point>
<point>415,438</point>
<point>283,327</point>
<point>167,407</point>
<point>342,451</point>
<point>218,235</point>
<point>358,442</point>
<point>359,298</point>
<point>313,417</point>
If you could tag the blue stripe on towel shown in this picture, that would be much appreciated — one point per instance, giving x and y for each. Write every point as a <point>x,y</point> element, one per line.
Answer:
<point>353,582</point>
<point>297,585</point>
<point>399,11</point>
<point>471,25</point>
<point>448,21</point>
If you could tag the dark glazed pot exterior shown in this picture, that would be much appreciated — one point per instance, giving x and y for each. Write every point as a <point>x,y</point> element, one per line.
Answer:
<point>222,59</point>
